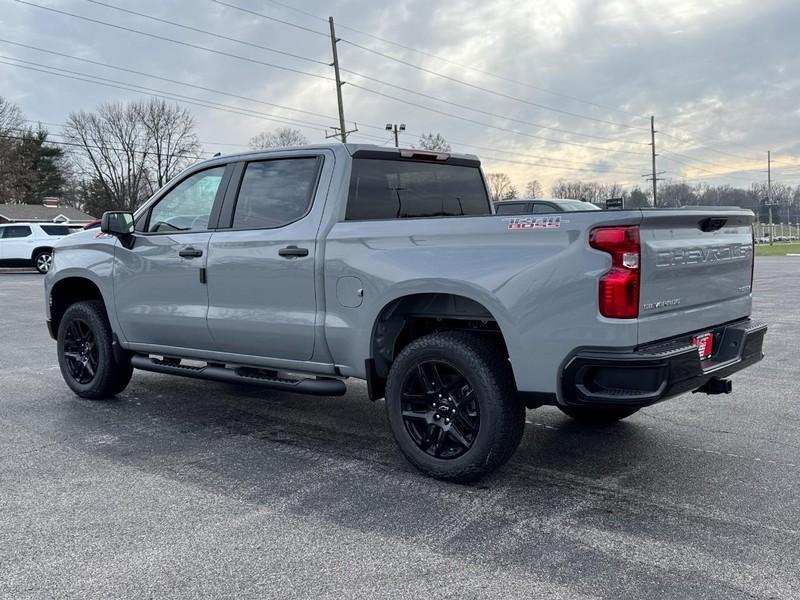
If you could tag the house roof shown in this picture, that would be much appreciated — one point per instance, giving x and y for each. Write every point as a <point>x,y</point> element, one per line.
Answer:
<point>38,213</point>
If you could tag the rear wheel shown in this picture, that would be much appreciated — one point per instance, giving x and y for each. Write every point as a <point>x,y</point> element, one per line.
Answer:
<point>85,353</point>
<point>452,406</point>
<point>598,415</point>
<point>43,261</point>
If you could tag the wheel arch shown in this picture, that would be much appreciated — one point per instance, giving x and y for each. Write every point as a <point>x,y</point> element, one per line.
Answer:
<point>38,249</point>
<point>407,317</point>
<point>67,291</point>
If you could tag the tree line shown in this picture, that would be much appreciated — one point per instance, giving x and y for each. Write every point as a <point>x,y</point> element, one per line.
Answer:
<point>115,157</point>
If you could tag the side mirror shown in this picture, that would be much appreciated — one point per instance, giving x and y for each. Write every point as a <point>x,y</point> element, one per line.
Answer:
<point>117,223</point>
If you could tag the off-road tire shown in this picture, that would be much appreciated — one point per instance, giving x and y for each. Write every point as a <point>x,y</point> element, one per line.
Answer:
<point>598,415</point>
<point>110,377</point>
<point>501,415</point>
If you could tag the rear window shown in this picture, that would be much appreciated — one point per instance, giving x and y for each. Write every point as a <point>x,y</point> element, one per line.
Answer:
<point>398,189</point>
<point>520,208</point>
<point>576,205</point>
<point>56,229</point>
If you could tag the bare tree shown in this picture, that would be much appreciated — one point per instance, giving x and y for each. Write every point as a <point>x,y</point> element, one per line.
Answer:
<point>500,187</point>
<point>11,123</point>
<point>279,138</point>
<point>533,189</point>
<point>434,142</point>
<point>112,149</point>
<point>11,117</point>
<point>173,144</point>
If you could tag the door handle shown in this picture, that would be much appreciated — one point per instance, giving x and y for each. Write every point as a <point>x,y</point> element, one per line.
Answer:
<point>293,251</point>
<point>190,252</point>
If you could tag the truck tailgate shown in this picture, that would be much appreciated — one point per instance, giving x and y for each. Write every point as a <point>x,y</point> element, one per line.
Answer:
<point>696,270</point>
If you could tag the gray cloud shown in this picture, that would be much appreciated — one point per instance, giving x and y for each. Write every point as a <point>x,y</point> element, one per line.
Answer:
<point>724,74</point>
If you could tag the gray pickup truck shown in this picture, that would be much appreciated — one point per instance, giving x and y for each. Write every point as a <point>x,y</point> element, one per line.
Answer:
<point>297,269</point>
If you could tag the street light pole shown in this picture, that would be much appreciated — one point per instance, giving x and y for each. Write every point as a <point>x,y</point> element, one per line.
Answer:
<point>394,127</point>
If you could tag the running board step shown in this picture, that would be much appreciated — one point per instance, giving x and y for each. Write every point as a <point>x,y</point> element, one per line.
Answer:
<point>264,378</point>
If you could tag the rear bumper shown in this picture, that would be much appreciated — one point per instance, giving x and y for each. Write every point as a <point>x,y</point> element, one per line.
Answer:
<point>658,371</point>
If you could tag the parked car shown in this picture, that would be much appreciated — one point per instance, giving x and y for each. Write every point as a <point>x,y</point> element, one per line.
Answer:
<point>542,206</point>
<point>297,269</point>
<point>30,244</point>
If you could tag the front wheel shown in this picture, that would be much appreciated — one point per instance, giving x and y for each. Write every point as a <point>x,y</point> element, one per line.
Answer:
<point>43,261</point>
<point>452,406</point>
<point>85,354</point>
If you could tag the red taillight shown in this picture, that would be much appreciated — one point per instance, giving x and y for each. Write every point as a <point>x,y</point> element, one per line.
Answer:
<point>619,288</point>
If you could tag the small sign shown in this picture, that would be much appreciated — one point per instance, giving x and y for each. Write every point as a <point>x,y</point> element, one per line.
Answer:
<point>614,204</point>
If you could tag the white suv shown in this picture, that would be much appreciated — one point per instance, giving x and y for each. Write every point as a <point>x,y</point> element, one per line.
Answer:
<point>30,244</point>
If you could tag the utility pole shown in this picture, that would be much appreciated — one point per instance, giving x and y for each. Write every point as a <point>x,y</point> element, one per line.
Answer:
<point>769,193</point>
<point>390,127</point>
<point>653,148</point>
<point>654,174</point>
<point>342,133</point>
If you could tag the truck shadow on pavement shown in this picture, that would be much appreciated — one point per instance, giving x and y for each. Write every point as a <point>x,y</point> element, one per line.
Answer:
<point>570,496</point>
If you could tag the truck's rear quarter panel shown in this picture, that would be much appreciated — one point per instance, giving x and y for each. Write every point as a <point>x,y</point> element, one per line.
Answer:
<point>540,284</point>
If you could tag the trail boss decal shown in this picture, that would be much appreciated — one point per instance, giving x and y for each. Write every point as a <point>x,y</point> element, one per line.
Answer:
<point>547,222</point>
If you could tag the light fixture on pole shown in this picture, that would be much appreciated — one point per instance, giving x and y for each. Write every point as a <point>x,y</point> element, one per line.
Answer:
<point>396,129</point>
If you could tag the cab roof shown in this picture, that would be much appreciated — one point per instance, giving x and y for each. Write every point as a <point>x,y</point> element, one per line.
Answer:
<point>350,149</point>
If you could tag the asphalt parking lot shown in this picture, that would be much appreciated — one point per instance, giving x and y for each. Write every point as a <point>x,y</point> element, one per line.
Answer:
<point>188,489</point>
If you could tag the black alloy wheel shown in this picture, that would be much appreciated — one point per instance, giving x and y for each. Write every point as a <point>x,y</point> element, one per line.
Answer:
<point>81,352</point>
<point>90,366</point>
<point>439,409</point>
<point>452,405</point>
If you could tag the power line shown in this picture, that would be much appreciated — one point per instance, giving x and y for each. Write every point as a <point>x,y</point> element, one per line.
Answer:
<point>483,124</point>
<point>275,19</point>
<point>690,141</point>
<point>713,173</point>
<point>408,90</point>
<point>174,41</point>
<point>127,86</point>
<point>204,142</point>
<point>211,33</point>
<point>160,94</point>
<point>492,149</point>
<point>97,147</point>
<point>453,79</point>
<point>487,90</point>
<point>530,164</point>
<point>485,112</point>
<point>167,79</point>
<point>437,57</point>
<point>698,160</point>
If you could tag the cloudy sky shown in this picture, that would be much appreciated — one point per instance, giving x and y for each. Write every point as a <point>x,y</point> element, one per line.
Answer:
<point>537,88</point>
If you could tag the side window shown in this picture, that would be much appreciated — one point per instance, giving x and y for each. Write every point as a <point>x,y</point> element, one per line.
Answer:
<point>56,229</point>
<point>543,207</point>
<point>187,207</point>
<point>275,192</point>
<point>17,231</point>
